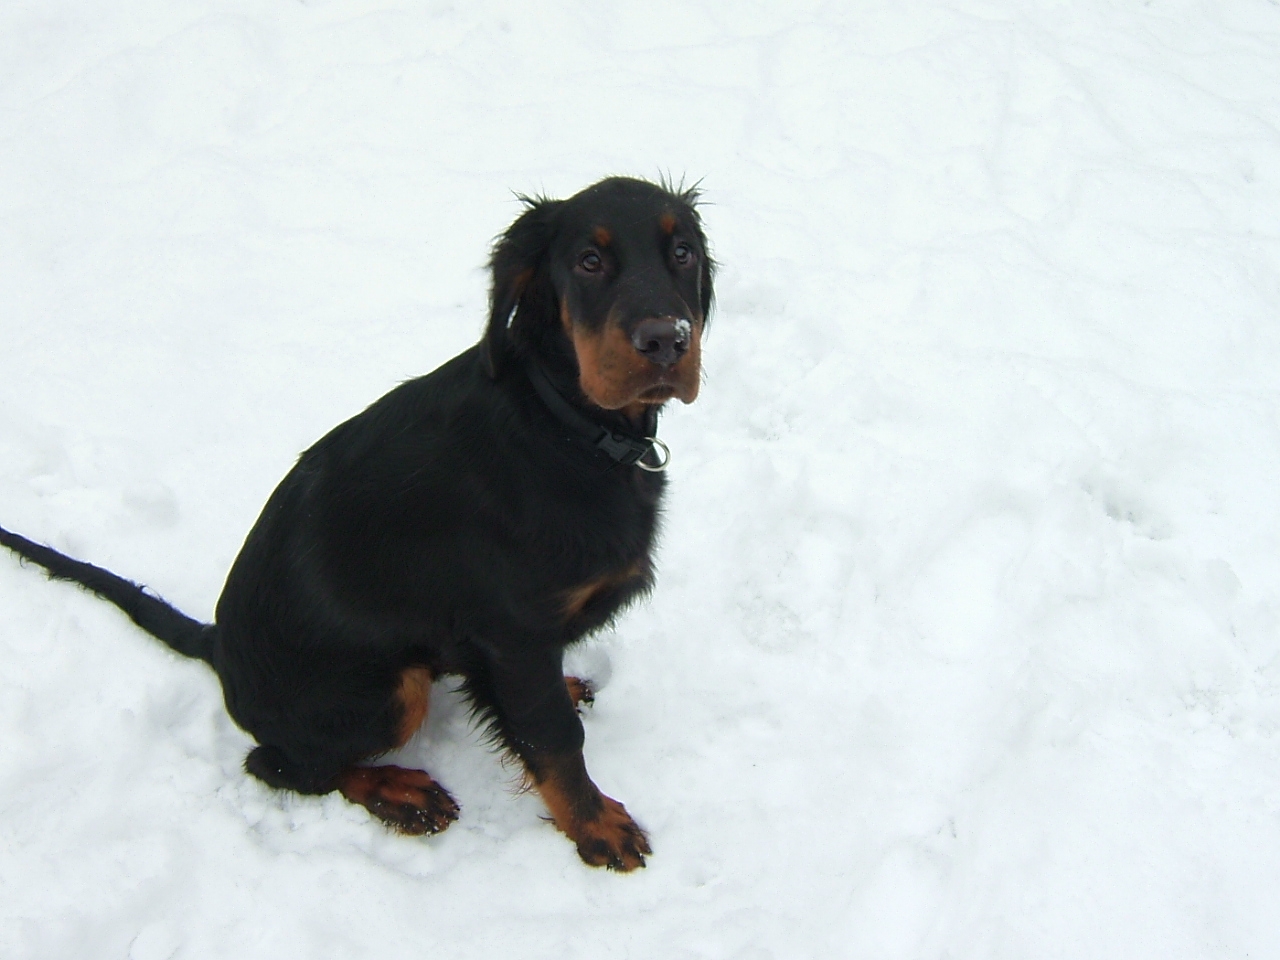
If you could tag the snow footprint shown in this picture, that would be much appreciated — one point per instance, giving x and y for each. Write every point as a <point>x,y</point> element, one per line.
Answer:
<point>1124,503</point>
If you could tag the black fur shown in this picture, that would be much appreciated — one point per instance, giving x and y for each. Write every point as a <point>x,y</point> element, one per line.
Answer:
<point>191,638</point>
<point>445,525</point>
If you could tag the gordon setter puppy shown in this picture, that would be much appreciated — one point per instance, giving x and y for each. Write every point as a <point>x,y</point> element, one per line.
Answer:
<point>475,522</point>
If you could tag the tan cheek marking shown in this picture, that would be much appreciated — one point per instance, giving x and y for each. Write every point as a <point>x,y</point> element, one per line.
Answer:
<point>612,373</point>
<point>608,365</point>
<point>691,368</point>
<point>414,696</point>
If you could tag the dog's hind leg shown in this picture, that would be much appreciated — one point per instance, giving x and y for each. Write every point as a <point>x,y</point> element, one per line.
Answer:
<point>407,800</point>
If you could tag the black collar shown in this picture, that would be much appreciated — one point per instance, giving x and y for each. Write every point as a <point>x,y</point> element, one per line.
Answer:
<point>623,448</point>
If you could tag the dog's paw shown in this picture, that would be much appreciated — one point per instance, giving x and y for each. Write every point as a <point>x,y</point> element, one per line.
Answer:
<point>612,839</point>
<point>580,691</point>
<point>406,800</point>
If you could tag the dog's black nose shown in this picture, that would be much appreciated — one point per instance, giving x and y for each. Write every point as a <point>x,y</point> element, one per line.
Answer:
<point>664,340</point>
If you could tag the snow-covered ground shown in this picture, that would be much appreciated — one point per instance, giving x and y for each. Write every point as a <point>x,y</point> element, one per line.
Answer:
<point>966,642</point>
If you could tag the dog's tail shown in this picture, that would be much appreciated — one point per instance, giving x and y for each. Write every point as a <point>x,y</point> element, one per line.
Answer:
<point>191,638</point>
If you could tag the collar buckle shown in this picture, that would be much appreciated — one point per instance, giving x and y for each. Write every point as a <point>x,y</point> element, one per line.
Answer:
<point>619,447</point>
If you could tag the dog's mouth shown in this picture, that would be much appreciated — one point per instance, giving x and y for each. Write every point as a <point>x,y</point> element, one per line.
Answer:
<point>644,387</point>
<point>653,387</point>
<point>658,393</point>
<point>613,374</point>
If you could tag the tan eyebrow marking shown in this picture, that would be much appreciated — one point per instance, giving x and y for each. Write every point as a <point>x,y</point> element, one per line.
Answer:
<point>602,236</point>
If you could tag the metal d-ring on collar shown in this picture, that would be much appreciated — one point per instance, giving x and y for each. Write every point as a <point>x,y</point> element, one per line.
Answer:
<point>620,447</point>
<point>664,456</point>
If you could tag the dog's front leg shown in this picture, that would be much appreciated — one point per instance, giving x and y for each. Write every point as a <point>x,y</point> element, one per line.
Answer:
<point>543,728</point>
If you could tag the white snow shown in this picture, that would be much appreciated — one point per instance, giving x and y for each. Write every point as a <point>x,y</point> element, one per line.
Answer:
<point>966,642</point>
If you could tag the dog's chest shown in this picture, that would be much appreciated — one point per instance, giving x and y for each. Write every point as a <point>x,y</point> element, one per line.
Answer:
<point>609,589</point>
<point>597,548</point>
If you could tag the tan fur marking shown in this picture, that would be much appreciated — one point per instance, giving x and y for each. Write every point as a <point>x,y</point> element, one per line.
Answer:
<point>668,223</point>
<point>604,832</point>
<point>406,800</point>
<point>634,411</point>
<point>580,691</point>
<point>577,598</point>
<point>602,236</point>
<point>560,804</point>
<point>414,696</point>
<point>613,374</point>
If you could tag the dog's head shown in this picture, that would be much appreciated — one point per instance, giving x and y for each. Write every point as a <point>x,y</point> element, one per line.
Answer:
<point>618,279</point>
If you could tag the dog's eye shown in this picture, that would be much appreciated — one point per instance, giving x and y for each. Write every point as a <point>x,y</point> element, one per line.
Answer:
<point>683,254</point>
<point>590,262</point>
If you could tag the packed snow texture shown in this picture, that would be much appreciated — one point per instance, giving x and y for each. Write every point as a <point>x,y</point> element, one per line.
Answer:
<point>966,640</point>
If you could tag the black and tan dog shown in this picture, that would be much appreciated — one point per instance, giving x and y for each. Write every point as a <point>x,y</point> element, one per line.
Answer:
<point>475,521</point>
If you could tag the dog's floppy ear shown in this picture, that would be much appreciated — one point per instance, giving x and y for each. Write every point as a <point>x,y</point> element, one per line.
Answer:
<point>519,271</point>
<point>706,284</point>
<point>690,196</point>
